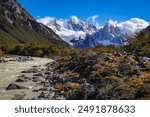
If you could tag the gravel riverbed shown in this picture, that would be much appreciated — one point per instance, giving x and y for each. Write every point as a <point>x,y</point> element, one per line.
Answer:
<point>12,70</point>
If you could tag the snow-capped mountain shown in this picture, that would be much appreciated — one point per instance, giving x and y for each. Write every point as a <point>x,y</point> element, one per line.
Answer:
<point>116,33</point>
<point>109,34</point>
<point>68,30</point>
<point>113,33</point>
<point>81,34</point>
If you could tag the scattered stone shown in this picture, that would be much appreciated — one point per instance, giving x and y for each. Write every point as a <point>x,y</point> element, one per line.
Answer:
<point>51,95</point>
<point>38,79</point>
<point>19,97</point>
<point>48,73</point>
<point>21,80</point>
<point>34,70</point>
<point>15,86</point>
<point>42,95</point>
<point>39,74</point>
<point>36,90</point>
<point>1,60</point>
<point>43,89</point>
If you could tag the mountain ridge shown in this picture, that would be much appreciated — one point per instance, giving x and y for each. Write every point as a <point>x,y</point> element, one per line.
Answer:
<point>73,28</point>
<point>80,33</point>
<point>17,26</point>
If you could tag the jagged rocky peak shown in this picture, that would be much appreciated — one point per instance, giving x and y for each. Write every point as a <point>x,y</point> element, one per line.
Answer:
<point>16,15</point>
<point>75,19</point>
<point>71,29</point>
<point>11,9</point>
<point>111,27</point>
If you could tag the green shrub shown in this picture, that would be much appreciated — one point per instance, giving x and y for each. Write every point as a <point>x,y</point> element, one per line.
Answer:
<point>139,44</point>
<point>38,50</point>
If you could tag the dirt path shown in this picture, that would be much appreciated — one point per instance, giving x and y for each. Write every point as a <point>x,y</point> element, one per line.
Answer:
<point>9,72</point>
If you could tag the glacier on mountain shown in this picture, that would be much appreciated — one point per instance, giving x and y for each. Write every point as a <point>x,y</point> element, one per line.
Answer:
<point>82,34</point>
<point>73,28</point>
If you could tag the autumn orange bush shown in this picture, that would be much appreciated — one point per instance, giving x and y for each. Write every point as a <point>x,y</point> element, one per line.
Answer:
<point>138,80</point>
<point>62,86</point>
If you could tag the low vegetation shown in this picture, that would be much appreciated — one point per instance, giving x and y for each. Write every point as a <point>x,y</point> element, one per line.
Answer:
<point>112,75</point>
<point>1,53</point>
<point>140,44</point>
<point>38,50</point>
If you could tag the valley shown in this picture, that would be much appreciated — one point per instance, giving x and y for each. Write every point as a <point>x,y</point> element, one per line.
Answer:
<point>72,59</point>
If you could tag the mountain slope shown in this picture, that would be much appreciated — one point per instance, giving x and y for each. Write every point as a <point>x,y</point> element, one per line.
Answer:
<point>18,26</point>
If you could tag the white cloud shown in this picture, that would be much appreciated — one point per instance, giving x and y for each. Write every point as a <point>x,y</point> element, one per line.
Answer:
<point>93,19</point>
<point>133,25</point>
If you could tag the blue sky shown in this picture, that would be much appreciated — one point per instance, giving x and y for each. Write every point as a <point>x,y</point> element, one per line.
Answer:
<point>119,10</point>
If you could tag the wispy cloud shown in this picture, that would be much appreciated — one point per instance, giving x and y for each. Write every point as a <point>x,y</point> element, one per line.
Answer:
<point>93,19</point>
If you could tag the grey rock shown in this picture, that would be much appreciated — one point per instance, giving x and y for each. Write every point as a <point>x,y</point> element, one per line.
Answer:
<point>15,86</point>
<point>21,80</point>
<point>19,97</point>
<point>42,95</point>
<point>43,89</point>
<point>39,74</point>
<point>36,90</point>
<point>51,95</point>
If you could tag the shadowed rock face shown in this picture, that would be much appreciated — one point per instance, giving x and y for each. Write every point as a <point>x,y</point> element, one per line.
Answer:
<point>20,26</point>
<point>14,12</point>
<point>148,28</point>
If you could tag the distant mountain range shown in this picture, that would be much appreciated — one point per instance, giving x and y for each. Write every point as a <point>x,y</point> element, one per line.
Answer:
<point>17,26</point>
<point>73,28</point>
<point>81,34</point>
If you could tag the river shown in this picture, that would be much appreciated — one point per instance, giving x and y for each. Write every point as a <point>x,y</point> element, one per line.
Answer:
<point>9,72</point>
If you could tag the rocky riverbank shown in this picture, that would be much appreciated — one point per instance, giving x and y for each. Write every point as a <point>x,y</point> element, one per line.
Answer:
<point>83,76</point>
<point>100,76</point>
